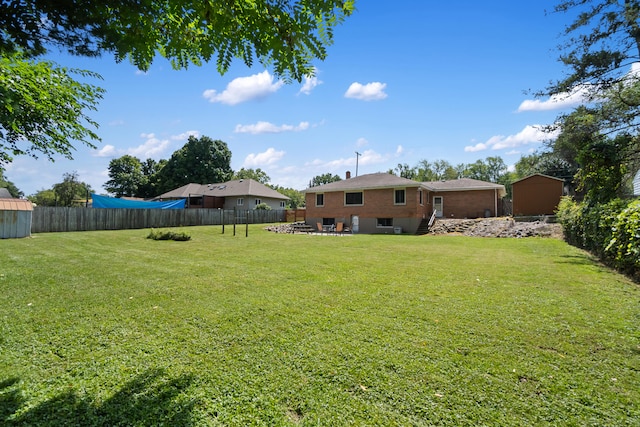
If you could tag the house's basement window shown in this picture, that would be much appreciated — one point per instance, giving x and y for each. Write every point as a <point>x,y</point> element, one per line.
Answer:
<point>320,199</point>
<point>328,221</point>
<point>353,198</point>
<point>400,198</point>
<point>385,222</point>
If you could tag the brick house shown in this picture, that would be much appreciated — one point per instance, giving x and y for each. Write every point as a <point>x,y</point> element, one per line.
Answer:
<point>536,194</point>
<point>385,203</point>
<point>242,194</point>
<point>465,198</point>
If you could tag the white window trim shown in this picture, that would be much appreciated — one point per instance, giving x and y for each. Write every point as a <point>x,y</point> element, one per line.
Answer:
<point>317,205</point>
<point>420,197</point>
<point>258,201</point>
<point>240,201</point>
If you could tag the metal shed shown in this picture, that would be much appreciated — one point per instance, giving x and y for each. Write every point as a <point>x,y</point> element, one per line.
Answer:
<point>15,218</point>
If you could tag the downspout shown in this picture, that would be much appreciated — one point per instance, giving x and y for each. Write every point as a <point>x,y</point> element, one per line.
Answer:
<point>495,201</point>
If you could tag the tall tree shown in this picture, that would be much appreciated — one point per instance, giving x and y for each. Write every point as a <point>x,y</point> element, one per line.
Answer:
<point>125,176</point>
<point>296,197</point>
<point>601,44</point>
<point>10,186</point>
<point>255,174</point>
<point>600,160</point>
<point>201,161</point>
<point>42,108</point>
<point>150,169</point>
<point>71,191</point>
<point>284,35</point>
<point>404,171</point>
<point>323,179</point>
<point>44,197</point>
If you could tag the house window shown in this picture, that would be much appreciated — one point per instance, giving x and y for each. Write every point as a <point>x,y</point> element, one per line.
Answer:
<point>353,198</point>
<point>283,205</point>
<point>420,197</point>
<point>400,197</point>
<point>385,222</point>
<point>240,202</point>
<point>258,201</point>
<point>320,199</point>
<point>328,221</point>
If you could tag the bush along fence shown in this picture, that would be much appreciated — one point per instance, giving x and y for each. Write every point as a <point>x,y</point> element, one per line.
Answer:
<point>611,231</point>
<point>61,219</point>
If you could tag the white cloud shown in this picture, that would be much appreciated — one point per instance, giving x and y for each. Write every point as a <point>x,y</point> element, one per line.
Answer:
<point>556,102</point>
<point>310,83</point>
<point>152,147</point>
<point>368,92</point>
<point>185,135</point>
<point>244,89</point>
<point>399,150</point>
<point>261,159</point>
<point>367,157</point>
<point>531,134</point>
<point>106,151</point>
<point>361,142</point>
<point>266,127</point>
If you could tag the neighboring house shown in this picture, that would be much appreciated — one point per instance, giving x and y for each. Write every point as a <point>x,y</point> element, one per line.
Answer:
<point>536,194</point>
<point>636,184</point>
<point>385,203</point>
<point>241,194</point>
<point>465,198</point>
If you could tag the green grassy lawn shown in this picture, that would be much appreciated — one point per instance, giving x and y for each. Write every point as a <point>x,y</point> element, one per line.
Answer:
<point>110,328</point>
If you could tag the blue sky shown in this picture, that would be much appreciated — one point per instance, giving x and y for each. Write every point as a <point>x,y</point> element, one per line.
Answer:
<point>403,82</point>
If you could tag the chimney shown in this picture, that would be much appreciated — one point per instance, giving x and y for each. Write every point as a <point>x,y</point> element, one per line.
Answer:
<point>348,174</point>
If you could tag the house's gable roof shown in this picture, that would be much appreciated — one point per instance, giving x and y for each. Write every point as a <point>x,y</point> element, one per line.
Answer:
<point>537,174</point>
<point>365,182</point>
<point>464,184</point>
<point>237,188</point>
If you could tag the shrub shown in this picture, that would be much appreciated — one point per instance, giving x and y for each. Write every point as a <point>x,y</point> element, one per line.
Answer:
<point>263,207</point>
<point>624,246</point>
<point>168,235</point>
<point>611,231</point>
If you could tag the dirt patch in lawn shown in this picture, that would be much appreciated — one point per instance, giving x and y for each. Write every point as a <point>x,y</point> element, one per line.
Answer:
<point>496,227</point>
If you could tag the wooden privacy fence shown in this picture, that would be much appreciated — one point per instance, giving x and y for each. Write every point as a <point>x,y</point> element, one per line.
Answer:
<point>47,219</point>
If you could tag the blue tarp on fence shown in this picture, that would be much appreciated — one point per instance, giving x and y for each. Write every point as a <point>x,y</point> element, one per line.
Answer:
<point>112,202</point>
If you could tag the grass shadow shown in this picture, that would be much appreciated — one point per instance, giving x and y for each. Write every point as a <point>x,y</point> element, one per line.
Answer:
<point>579,260</point>
<point>150,399</point>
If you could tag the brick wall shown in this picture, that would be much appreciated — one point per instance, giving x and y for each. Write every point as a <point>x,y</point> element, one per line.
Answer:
<point>467,204</point>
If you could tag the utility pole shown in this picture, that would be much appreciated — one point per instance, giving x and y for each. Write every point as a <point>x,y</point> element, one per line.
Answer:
<point>357,157</point>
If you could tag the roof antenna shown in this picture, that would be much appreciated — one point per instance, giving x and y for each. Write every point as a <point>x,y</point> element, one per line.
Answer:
<point>357,157</point>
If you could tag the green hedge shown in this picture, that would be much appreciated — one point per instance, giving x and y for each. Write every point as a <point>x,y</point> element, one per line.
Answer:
<point>611,231</point>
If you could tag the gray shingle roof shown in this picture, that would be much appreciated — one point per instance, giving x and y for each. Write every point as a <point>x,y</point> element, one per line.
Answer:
<point>237,188</point>
<point>364,182</point>
<point>463,184</point>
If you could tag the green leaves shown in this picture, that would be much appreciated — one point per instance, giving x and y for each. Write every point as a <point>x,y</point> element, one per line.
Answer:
<point>42,108</point>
